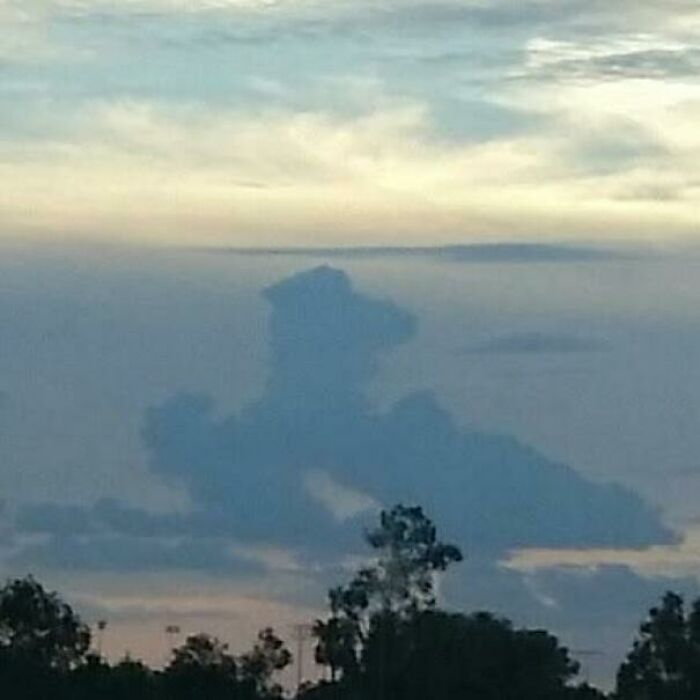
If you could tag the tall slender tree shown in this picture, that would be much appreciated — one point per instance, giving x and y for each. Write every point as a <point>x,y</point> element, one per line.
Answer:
<point>399,582</point>
<point>263,661</point>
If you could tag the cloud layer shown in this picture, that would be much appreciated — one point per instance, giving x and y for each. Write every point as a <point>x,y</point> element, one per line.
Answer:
<point>300,467</point>
<point>245,121</point>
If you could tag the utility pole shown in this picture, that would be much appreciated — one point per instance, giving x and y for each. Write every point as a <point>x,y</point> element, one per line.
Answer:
<point>171,634</point>
<point>301,634</point>
<point>101,627</point>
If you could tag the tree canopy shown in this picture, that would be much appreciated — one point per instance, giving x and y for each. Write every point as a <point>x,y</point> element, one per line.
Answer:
<point>38,628</point>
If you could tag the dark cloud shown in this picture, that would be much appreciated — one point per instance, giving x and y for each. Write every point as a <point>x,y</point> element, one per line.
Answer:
<point>247,475</point>
<point>490,491</point>
<point>525,253</point>
<point>652,63</point>
<point>104,517</point>
<point>623,64</point>
<point>60,520</point>
<point>574,17</point>
<point>538,343</point>
<point>611,590</point>
<point>494,15</point>
<point>553,595</point>
<point>121,553</point>
<point>215,28</point>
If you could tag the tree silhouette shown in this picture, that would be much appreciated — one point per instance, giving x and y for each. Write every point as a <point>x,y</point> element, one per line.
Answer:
<point>129,679</point>
<point>267,657</point>
<point>38,628</point>
<point>444,656</point>
<point>399,583</point>
<point>336,640</point>
<point>201,668</point>
<point>664,663</point>
<point>441,655</point>
<point>408,557</point>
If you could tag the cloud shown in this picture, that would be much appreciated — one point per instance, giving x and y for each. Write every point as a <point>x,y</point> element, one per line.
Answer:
<point>499,253</point>
<point>496,13</point>
<point>537,343</point>
<point>342,502</point>
<point>489,490</point>
<point>679,559</point>
<point>187,179</point>
<point>609,590</point>
<point>105,516</point>
<point>305,465</point>
<point>615,592</point>
<point>60,520</point>
<point>108,553</point>
<point>615,57</point>
<point>542,128</point>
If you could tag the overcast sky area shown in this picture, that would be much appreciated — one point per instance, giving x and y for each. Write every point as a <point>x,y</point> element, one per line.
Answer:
<point>197,434</point>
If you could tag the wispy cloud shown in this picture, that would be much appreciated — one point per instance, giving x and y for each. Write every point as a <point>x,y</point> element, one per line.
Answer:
<point>343,502</point>
<point>537,343</point>
<point>621,57</point>
<point>142,171</point>
<point>682,559</point>
<point>476,253</point>
<point>420,121</point>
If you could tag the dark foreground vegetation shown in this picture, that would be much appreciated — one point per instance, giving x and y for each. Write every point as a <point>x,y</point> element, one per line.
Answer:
<point>385,638</point>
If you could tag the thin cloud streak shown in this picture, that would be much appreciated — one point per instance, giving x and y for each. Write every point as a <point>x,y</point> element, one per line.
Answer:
<point>498,253</point>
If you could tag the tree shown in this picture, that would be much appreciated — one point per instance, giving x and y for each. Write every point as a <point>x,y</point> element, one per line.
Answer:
<point>37,628</point>
<point>664,663</point>
<point>443,656</point>
<point>584,692</point>
<point>409,556</point>
<point>336,640</point>
<point>127,680</point>
<point>267,657</point>
<point>400,583</point>
<point>201,668</point>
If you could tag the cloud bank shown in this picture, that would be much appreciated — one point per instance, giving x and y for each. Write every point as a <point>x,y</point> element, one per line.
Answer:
<point>303,467</point>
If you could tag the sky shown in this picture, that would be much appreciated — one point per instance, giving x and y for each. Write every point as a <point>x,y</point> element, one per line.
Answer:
<point>258,121</point>
<point>267,267</point>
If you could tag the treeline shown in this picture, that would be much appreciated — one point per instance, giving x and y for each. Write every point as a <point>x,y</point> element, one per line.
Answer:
<point>384,638</point>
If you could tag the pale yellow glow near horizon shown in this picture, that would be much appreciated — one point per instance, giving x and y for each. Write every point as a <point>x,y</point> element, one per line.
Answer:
<point>136,172</point>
